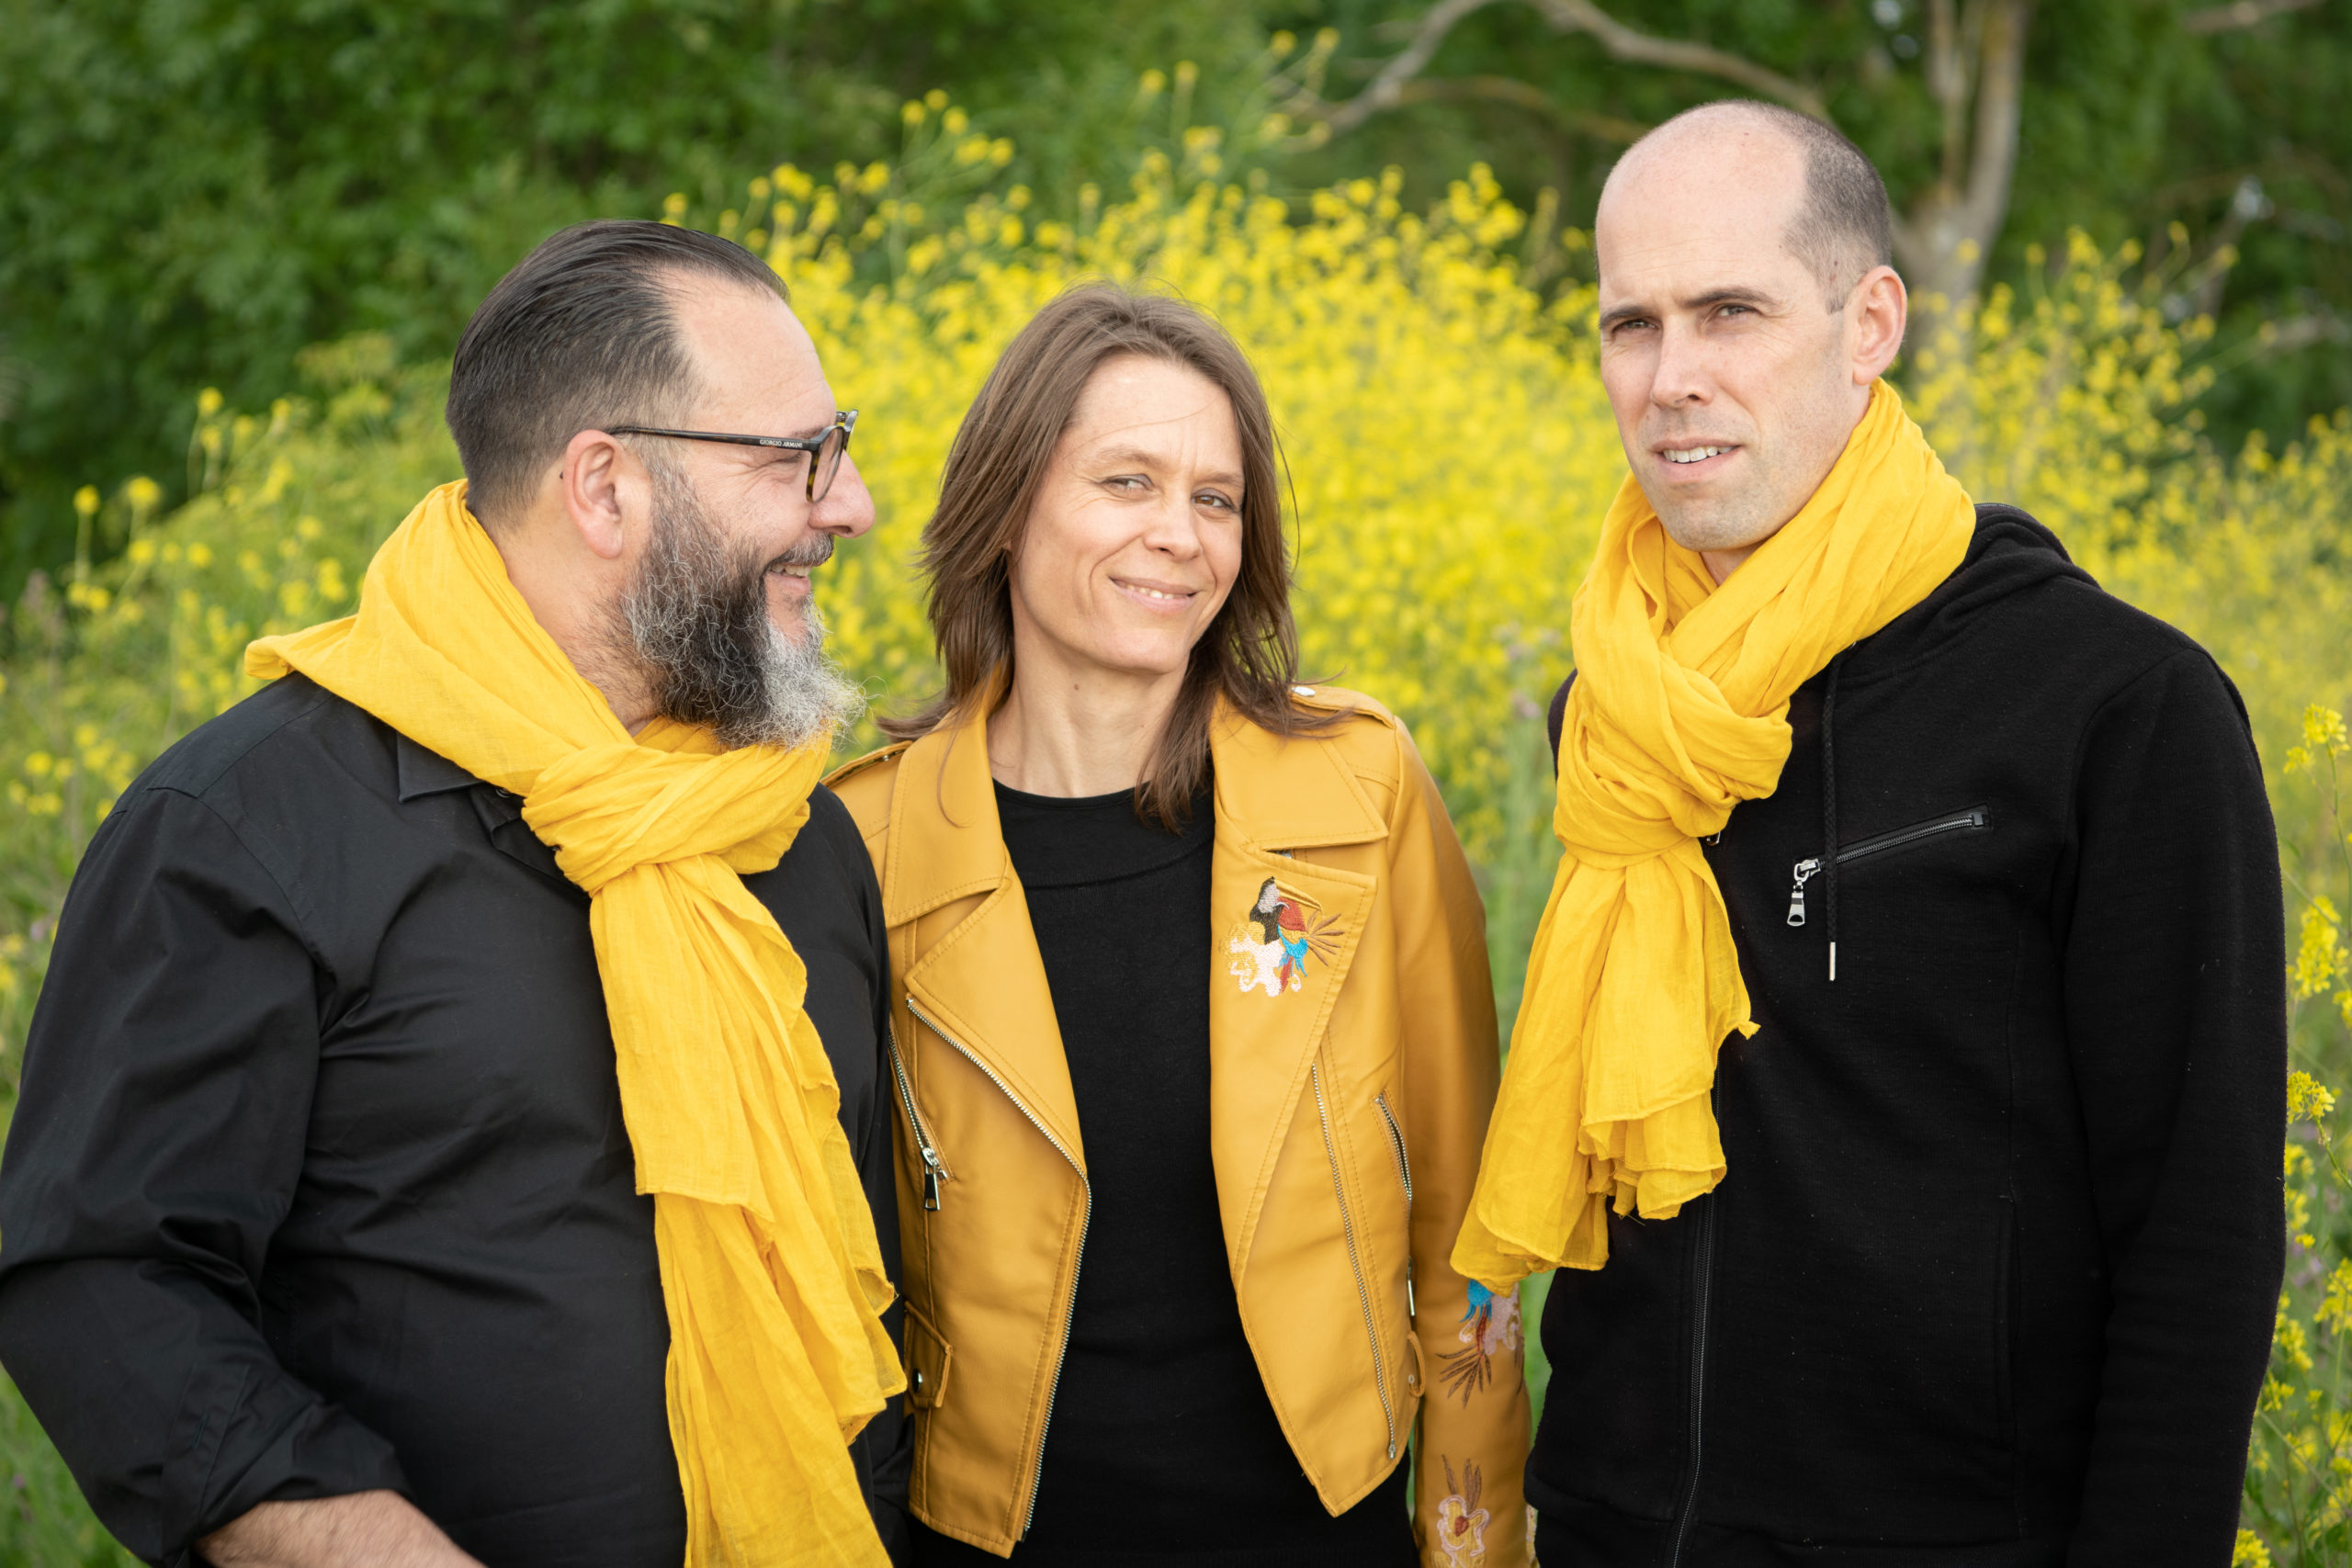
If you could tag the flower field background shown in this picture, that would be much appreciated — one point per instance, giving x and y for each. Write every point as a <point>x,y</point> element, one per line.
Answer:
<point>1451,454</point>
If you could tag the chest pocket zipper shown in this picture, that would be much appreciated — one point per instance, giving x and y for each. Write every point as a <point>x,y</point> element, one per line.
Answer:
<point>1404,1175</point>
<point>1972,819</point>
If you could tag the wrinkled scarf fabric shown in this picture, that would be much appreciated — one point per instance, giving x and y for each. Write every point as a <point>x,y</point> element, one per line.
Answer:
<point>1679,713</point>
<point>770,1269</point>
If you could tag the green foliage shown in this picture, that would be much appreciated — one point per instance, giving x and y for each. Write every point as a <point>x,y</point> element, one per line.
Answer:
<point>2131,122</point>
<point>2299,1477</point>
<point>192,190</point>
<point>44,1523</point>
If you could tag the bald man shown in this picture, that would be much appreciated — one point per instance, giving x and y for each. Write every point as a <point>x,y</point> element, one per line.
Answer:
<point>1984,1269</point>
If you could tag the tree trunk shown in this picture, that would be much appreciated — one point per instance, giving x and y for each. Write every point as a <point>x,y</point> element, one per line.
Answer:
<point>1942,243</point>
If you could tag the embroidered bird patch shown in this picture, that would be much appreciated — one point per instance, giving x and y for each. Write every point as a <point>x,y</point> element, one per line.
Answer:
<point>1270,945</point>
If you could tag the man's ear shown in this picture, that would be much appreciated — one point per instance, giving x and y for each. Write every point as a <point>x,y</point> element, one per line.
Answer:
<point>601,482</point>
<point>1877,311</point>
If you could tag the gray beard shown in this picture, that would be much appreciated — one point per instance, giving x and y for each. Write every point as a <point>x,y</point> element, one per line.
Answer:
<point>696,622</point>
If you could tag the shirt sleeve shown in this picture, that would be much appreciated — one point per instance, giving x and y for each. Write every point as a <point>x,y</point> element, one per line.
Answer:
<point>156,1147</point>
<point>2176,1011</point>
<point>886,1445</point>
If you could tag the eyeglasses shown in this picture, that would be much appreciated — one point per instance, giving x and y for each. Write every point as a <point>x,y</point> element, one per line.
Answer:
<point>824,449</point>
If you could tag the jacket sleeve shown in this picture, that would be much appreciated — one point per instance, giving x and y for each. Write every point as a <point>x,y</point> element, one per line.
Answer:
<point>1472,1448</point>
<point>2175,1014</point>
<point>156,1149</point>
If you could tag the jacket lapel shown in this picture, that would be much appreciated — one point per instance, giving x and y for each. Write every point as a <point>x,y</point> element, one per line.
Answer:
<point>1278,956</point>
<point>981,984</point>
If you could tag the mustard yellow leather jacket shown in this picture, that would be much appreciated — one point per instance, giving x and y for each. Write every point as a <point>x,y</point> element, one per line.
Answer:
<point>1349,1092</point>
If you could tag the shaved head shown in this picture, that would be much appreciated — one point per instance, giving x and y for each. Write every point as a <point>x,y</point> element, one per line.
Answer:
<point>1842,226</point>
<point>1747,306</point>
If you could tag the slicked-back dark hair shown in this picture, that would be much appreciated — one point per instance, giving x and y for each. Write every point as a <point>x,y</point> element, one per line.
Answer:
<point>583,333</point>
<point>1845,226</point>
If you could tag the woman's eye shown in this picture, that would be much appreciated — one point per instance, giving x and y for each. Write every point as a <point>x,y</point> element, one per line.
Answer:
<point>1210,499</point>
<point>1128,483</point>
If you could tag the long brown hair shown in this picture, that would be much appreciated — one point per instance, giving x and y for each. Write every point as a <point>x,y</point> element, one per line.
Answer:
<point>1248,655</point>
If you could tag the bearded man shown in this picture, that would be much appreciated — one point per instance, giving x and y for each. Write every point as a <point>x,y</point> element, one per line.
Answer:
<point>1900,1082</point>
<point>451,1121</point>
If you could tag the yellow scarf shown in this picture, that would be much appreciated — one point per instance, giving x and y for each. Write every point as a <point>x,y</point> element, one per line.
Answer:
<point>770,1267</point>
<point>1679,713</point>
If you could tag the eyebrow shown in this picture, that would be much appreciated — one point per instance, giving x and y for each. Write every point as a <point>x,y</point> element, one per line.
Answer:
<point>1734,294</point>
<point>1114,457</point>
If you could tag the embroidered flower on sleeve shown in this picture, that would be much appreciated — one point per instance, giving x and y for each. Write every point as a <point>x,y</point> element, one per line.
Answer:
<point>1490,1327</point>
<point>1461,1523</point>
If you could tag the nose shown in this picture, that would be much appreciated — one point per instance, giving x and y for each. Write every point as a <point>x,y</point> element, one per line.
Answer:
<point>847,508</point>
<point>1681,378</point>
<point>1172,529</point>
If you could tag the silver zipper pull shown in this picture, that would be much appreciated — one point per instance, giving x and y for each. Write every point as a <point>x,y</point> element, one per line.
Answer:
<point>1803,874</point>
<point>934,1173</point>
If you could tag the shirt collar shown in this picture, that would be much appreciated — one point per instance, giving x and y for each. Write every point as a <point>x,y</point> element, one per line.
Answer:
<point>427,771</point>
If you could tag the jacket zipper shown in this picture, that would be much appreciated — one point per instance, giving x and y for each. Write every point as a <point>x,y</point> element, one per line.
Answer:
<point>1706,1243</point>
<point>1405,1175</point>
<point>1347,1228</point>
<point>1951,822</point>
<point>1037,1471</point>
<point>934,1172</point>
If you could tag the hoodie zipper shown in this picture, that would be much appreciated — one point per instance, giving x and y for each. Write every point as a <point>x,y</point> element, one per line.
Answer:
<point>1405,1175</point>
<point>1704,1242</point>
<point>1347,1228</point>
<point>1036,1471</point>
<point>934,1172</point>
<point>1950,822</point>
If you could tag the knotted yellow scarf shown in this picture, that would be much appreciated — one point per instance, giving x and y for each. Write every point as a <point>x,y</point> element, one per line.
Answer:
<point>770,1269</point>
<point>1679,713</point>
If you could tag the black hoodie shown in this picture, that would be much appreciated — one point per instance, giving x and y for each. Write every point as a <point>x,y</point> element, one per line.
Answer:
<point>1991,1278</point>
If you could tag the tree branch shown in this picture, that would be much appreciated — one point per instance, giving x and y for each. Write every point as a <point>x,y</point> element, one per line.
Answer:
<point>1512,90</point>
<point>1644,49</point>
<point>2242,13</point>
<point>1387,88</point>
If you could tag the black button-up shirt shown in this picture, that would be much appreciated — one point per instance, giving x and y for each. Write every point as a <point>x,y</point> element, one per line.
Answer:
<point>319,1182</point>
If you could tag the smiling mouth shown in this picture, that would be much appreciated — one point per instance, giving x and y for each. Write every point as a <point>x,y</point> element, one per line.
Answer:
<point>1159,595</point>
<point>1693,453</point>
<point>802,560</point>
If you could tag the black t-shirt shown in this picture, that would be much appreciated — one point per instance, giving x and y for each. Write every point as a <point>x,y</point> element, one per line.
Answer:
<point>1162,1448</point>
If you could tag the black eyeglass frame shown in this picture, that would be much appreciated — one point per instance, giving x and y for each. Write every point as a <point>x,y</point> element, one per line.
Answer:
<point>844,422</point>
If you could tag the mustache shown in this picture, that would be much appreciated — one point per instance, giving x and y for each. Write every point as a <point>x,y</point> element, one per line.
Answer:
<point>811,552</point>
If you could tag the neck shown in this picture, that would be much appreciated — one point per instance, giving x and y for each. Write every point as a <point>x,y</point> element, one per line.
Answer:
<point>578,624</point>
<point>1070,732</point>
<point>1721,564</point>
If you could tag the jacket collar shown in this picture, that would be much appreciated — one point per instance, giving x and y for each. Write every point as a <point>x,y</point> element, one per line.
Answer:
<point>1275,794</point>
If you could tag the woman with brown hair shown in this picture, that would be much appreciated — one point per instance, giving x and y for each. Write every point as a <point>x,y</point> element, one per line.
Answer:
<point>1192,1029</point>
